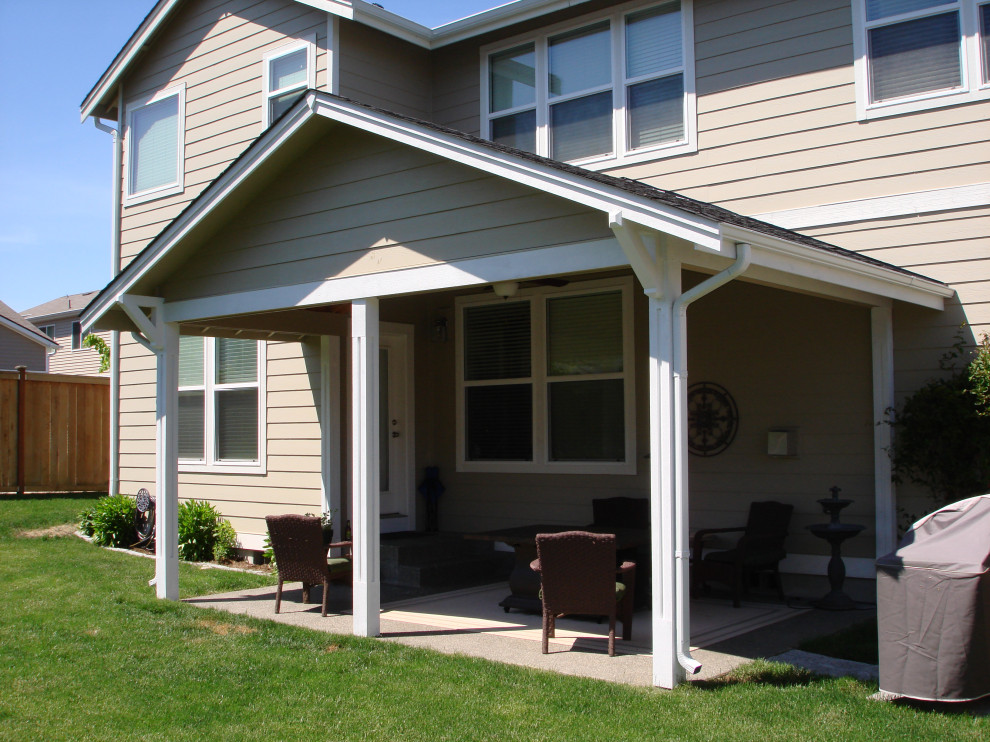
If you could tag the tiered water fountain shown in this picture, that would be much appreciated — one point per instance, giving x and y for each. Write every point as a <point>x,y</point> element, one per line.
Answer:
<point>835,533</point>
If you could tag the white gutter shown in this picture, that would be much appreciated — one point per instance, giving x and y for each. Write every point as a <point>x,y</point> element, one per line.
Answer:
<point>115,209</point>
<point>682,553</point>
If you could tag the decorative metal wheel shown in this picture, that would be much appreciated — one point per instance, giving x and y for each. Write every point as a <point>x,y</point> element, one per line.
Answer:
<point>144,518</point>
<point>713,419</point>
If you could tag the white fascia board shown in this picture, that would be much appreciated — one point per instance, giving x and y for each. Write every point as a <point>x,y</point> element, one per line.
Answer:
<point>35,318</point>
<point>607,199</point>
<point>391,23</point>
<point>123,60</point>
<point>37,336</point>
<point>342,8</point>
<point>583,256</point>
<point>847,272</point>
<point>496,18</point>
<point>267,146</point>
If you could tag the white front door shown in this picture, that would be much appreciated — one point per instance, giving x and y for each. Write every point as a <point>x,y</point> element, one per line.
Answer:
<point>396,473</point>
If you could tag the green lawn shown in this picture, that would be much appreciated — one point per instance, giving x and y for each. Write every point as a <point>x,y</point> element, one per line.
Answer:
<point>88,652</point>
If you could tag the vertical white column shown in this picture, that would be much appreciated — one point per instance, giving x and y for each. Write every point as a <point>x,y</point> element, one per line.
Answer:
<point>365,462</point>
<point>114,479</point>
<point>882,327</point>
<point>330,429</point>
<point>167,464</point>
<point>667,672</point>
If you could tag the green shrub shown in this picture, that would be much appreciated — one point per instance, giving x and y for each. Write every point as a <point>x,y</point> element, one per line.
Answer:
<point>226,541</point>
<point>86,521</point>
<point>111,521</point>
<point>203,534</point>
<point>269,554</point>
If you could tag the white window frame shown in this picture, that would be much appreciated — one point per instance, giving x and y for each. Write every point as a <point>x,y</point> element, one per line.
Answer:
<point>972,86</point>
<point>621,153</point>
<point>209,387</point>
<point>72,336</point>
<point>48,330</point>
<point>540,380</point>
<point>309,44</point>
<point>168,189</point>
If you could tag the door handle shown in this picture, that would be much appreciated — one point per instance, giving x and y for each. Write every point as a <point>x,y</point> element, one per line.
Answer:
<point>395,434</point>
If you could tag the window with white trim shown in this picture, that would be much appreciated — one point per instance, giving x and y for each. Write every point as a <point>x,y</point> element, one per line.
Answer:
<point>288,72</point>
<point>545,381</point>
<point>607,88</point>
<point>918,54</point>
<point>48,330</point>
<point>77,336</point>
<point>221,403</point>
<point>155,144</point>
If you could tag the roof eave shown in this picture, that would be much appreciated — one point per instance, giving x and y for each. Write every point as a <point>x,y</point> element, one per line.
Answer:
<point>38,337</point>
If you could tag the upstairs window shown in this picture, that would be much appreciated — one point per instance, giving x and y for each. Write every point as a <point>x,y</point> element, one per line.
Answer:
<point>919,54</point>
<point>155,132</point>
<point>545,381</point>
<point>221,403</point>
<point>77,336</point>
<point>48,330</point>
<point>289,71</point>
<point>619,87</point>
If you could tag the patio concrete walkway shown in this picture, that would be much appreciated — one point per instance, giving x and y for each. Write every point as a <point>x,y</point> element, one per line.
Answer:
<point>470,622</point>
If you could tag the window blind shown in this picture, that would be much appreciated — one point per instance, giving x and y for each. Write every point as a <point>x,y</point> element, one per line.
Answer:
<point>155,145</point>
<point>877,9</point>
<point>191,425</point>
<point>584,334</point>
<point>191,360</point>
<point>656,111</point>
<point>653,40</point>
<point>581,127</point>
<point>237,360</point>
<point>516,130</point>
<point>288,70</point>
<point>915,56</point>
<point>497,341</point>
<point>237,424</point>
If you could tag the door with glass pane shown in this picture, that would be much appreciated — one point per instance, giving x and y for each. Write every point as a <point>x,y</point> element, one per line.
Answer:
<point>395,423</point>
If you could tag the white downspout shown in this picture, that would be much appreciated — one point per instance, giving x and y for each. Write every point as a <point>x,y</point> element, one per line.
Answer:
<point>681,546</point>
<point>115,207</point>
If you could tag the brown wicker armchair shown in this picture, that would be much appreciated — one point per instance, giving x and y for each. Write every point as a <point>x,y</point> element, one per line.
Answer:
<point>760,548</point>
<point>578,575</point>
<point>301,555</point>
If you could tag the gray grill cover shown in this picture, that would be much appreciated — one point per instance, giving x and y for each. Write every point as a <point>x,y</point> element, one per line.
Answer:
<point>933,606</point>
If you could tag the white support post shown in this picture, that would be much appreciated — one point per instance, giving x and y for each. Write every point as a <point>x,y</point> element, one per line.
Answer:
<point>365,505</point>
<point>882,327</point>
<point>667,671</point>
<point>114,479</point>
<point>167,464</point>
<point>330,429</point>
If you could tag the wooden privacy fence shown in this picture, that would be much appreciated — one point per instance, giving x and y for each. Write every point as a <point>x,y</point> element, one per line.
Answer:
<point>54,432</point>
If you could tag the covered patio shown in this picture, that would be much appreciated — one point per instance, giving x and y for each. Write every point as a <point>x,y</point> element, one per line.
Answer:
<point>386,230</point>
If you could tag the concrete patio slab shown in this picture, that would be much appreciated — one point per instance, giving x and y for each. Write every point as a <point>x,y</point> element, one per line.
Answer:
<point>469,622</point>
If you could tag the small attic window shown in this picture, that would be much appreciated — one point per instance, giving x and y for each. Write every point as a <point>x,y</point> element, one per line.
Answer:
<point>289,71</point>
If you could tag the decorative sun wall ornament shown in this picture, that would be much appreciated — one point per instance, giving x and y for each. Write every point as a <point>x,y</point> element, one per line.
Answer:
<point>712,419</point>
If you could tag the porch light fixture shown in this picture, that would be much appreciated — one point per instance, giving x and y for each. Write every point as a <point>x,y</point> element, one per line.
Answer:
<point>782,442</point>
<point>505,289</point>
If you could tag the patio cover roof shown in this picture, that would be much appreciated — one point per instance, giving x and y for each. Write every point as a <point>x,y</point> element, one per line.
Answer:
<point>712,230</point>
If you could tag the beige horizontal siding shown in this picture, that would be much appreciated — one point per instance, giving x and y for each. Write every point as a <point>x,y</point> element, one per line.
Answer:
<point>216,49</point>
<point>17,350</point>
<point>382,208</point>
<point>384,71</point>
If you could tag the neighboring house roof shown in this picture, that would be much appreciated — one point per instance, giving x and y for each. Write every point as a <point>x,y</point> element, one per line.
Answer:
<point>101,96</point>
<point>14,321</point>
<point>707,226</point>
<point>60,308</point>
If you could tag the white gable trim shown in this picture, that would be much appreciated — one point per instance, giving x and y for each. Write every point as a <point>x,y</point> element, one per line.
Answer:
<point>710,236</point>
<point>34,335</point>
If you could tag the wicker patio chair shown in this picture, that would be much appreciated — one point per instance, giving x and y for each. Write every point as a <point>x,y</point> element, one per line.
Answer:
<point>301,555</point>
<point>578,575</point>
<point>760,548</point>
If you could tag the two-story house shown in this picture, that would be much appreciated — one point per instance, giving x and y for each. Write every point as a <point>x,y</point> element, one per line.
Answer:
<point>23,344</point>
<point>59,320</point>
<point>351,247</point>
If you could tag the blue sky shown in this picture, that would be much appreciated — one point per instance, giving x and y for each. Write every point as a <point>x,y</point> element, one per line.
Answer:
<point>55,171</point>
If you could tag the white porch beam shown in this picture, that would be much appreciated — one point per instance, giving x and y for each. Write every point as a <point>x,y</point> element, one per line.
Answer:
<point>882,329</point>
<point>667,672</point>
<point>167,464</point>
<point>365,510</point>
